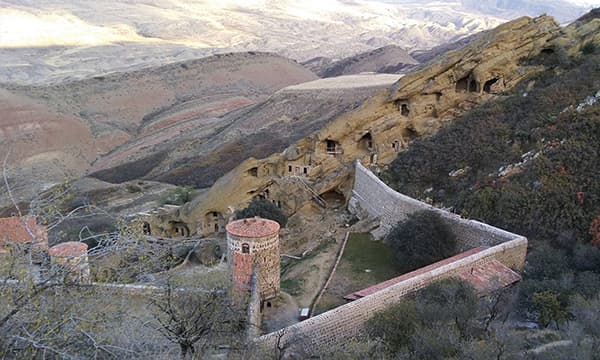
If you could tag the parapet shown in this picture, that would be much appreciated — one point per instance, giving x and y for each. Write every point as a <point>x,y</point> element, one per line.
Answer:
<point>253,228</point>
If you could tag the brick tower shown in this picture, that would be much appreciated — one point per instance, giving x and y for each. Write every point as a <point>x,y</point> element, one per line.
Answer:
<point>253,246</point>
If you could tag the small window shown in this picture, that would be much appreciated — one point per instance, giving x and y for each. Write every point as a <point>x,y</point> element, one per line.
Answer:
<point>305,170</point>
<point>146,229</point>
<point>216,227</point>
<point>331,146</point>
<point>245,248</point>
<point>404,110</point>
<point>289,168</point>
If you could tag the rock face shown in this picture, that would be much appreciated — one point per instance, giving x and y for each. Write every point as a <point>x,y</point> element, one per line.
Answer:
<point>63,128</point>
<point>319,166</point>
<point>388,59</point>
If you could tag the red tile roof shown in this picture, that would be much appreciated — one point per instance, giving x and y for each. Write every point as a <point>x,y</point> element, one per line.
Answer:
<point>253,227</point>
<point>68,249</point>
<point>490,276</point>
<point>372,289</point>
<point>15,230</point>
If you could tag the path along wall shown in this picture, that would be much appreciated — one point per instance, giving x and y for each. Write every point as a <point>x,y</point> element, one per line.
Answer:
<point>371,196</point>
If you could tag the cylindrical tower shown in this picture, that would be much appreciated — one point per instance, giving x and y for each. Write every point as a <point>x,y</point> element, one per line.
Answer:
<point>253,246</point>
<point>73,258</point>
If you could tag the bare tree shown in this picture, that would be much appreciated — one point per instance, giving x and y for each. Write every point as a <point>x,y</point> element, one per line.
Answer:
<point>193,319</point>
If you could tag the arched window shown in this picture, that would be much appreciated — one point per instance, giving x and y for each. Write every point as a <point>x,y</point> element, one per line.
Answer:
<point>245,248</point>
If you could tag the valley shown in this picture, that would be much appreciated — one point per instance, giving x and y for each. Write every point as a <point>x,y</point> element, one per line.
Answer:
<point>423,185</point>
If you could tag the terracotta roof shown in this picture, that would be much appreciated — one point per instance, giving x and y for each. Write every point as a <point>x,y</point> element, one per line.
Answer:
<point>372,289</point>
<point>490,276</point>
<point>67,249</point>
<point>253,227</point>
<point>14,230</point>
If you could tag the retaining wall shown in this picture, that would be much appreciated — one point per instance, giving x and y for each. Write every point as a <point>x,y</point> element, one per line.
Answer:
<point>371,196</point>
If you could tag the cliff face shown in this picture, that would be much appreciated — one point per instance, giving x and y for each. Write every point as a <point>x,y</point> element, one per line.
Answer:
<point>319,166</point>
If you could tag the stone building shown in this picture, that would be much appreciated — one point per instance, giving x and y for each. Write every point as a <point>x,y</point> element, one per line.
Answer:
<point>253,247</point>
<point>72,257</point>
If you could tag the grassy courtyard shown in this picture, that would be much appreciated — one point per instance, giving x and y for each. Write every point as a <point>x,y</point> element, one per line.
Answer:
<point>365,262</point>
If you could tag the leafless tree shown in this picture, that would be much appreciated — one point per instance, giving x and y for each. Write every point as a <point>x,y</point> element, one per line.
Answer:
<point>193,318</point>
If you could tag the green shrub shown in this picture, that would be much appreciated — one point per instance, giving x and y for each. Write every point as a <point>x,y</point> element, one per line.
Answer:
<point>430,326</point>
<point>395,326</point>
<point>132,188</point>
<point>423,238</point>
<point>178,196</point>
<point>549,309</point>
<point>264,209</point>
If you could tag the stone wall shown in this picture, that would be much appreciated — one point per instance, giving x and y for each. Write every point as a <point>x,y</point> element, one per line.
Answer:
<point>254,307</point>
<point>371,196</point>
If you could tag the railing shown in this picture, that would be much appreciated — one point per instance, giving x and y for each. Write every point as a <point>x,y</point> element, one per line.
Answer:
<point>318,199</point>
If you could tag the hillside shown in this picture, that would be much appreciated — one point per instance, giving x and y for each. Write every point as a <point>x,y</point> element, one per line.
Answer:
<point>65,127</point>
<point>199,151</point>
<point>375,131</point>
<point>388,59</point>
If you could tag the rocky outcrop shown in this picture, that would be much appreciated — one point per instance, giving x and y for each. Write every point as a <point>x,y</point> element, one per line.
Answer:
<point>319,166</point>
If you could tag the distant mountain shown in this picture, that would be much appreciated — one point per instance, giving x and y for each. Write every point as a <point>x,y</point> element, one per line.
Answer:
<point>52,40</point>
<point>388,59</point>
<point>562,10</point>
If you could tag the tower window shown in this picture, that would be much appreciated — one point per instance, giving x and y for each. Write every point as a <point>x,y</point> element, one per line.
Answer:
<point>245,248</point>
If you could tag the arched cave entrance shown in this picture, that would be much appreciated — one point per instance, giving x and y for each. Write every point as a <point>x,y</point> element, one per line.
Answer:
<point>487,87</point>
<point>366,142</point>
<point>181,229</point>
<point>333,199</point>
<point>466,84</point>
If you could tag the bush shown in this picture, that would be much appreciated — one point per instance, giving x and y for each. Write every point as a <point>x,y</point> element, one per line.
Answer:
<point>179,196</point>
<point>431,326</point>
<point>264,209</point>
<point>423,238</point>
<point>395,326</point>
<point>588,48</point>
<point>549,308</point>
<point>546,262</point>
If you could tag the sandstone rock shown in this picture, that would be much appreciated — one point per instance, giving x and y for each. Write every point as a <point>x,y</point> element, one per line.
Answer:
<point>417,105</point>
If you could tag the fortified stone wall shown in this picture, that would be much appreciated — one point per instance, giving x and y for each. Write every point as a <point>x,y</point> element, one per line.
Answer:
<point>371,196</point>
<point>337,326</point>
